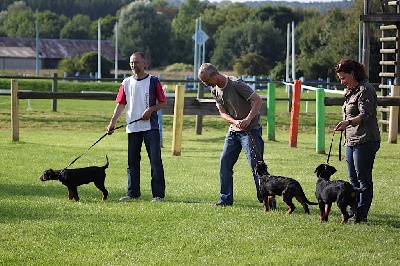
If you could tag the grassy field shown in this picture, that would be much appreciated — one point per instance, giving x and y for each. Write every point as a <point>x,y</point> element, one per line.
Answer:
<point>41,227</point>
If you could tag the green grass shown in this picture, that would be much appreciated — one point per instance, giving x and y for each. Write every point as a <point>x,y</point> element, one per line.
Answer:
<point>41,227</point>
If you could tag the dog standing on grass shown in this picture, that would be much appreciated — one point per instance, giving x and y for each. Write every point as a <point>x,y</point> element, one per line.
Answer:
<point>339,191</point>
<point>72,178</point>
<point>289,188</point>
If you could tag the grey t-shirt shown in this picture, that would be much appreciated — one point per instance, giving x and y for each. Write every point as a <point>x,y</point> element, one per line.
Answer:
<point>235,98</point>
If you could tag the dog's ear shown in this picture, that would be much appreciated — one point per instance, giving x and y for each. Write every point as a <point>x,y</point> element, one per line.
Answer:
<point>319,168</point>
<point>331,169</point>
<point>260,168</point>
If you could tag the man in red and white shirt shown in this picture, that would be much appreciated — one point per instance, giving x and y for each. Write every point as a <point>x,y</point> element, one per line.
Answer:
<point>141,95</point>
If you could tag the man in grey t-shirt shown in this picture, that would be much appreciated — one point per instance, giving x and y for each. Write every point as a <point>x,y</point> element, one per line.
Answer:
<point>238,105</point>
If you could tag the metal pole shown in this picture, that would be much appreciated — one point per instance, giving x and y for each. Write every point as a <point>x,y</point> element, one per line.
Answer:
<point>288,87</point>
<point>37,48</point>
<point>287,55</point>
<point>293,54</point>
<point>360,27</point>
<point>116,51</point>
<point>366,45</point>
<point>99,49</point>
<point>195,49</point>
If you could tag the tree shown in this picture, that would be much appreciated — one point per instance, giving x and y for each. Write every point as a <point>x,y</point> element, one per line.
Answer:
<point>183,28</point>
<point>250,37</point>
<point>325,39</point>
<point>13,28</point>
<point>107,27</point>
<point>278,72</point>
<point>141,28</point>
<point>78,28</point>
<point>70,65</point>
<point>320,44</point>
<point>215,20</point>
<point>50,24</point>
<point>168,10</point>
<point>281,15</point>
<point>252,65</point>
<point>20,24</point>
<point>88,64</point>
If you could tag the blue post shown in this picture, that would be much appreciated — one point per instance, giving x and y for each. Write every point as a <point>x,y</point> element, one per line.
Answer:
<point>254,78</point>
<point>271,111</point>
<point>159,113</point>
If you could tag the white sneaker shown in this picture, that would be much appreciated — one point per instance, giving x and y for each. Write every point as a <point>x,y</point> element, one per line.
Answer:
<point>126,198</point>
<point>157,199</point>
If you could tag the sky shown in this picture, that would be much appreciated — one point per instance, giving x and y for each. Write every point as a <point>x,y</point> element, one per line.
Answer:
<point>302,1</point>
<point>310,1</point>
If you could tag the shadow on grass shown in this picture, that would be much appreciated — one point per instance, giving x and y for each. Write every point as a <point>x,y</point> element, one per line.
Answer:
<point>17,190</point>
<point>386,220</point>
<point>14,209</point>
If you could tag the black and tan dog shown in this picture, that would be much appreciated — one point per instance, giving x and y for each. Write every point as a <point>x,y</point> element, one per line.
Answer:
<point>342,192</point>
<point>288,188</point>
<point>72,178</point>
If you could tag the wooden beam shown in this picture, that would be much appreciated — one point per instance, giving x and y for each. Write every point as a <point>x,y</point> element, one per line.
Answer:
<point>381,17</point>
<point>382,101</point>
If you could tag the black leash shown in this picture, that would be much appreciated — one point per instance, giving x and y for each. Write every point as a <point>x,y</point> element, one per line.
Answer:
<point>98,142</point>
<point>340,147</point>
<point>255,146</point>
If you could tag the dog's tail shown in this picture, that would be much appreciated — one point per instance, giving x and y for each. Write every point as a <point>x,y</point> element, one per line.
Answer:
<point>106,165</point>
<point>306,200</point>
<point>310,202</point>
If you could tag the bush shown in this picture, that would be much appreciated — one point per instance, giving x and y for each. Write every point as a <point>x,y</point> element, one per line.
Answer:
<point>89,64</point>
<point>279,71</point>
<point>85,64</point>
<point>70,65</point>
<point>252,65</point>
<point>179,67</point>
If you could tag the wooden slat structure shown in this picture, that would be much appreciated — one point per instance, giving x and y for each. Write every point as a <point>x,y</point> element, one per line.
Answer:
<point>389,19</point>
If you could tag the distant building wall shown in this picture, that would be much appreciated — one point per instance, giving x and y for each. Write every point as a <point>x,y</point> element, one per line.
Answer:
<point>17,63</point>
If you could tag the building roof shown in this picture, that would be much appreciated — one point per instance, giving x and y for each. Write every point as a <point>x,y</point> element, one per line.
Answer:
<point>55,48</point>
<point>17,52</point>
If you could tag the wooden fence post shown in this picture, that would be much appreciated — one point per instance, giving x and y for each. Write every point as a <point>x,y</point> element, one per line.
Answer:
<point>178,120</point>
<point>199,118</point>
<point>394,117</point>
<point>14,110</point>
<point>294,120</point>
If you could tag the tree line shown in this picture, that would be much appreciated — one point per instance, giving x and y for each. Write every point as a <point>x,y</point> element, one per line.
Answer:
<point>251,40</point>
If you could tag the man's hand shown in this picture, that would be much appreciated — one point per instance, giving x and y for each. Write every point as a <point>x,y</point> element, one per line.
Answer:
<point>243,124</point>
<point>110,129</point>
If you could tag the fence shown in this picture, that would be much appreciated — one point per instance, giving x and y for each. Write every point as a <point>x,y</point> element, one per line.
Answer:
<point>256,83</point>
<point>201,107</point>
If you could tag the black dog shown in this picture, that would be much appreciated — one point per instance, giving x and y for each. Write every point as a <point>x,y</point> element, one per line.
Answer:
<point>72,178</point>
<point>339,191</point>
<point>270,186</point>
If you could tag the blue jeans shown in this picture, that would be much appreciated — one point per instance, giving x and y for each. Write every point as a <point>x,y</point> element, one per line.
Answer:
<point>234,143</point>
<point>151,139</point>
<point>360,161</point>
